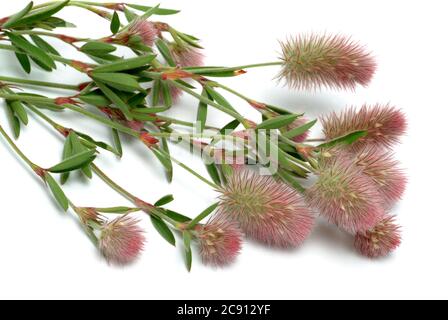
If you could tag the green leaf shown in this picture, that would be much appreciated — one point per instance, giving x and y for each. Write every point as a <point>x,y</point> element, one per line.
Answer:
<point>164,200</point>
<point>115,23</point>
<point>19,111</point>
<point>150,110</point>
<point>44,45</point>
<point>125,64</point>
<point>277,122</point>
<point>97,48</point>
<point>230,127</point>
<point>289,179</point>
<point>19,15</point>
<point>166,93</point>
<point>188,39</point>
<point>203,215</point>
<point>163,230</point>
<point>24,61</point>
<point>165,52</point>
<point>31,50</point>
<point>92,143</point>
<point>130,15</point>
<point>40,14</point>
<point>187,247</point>
<point>13,121</point>
<point>115,99</point>
<point>120,81</point>
<point>213,173</point>
<point>278,110</point>
<point>95,98</point>
<point>117,210</point>
<point>299,130</point>
<point>117,142</point>
<point>217,97</point>
<point>164,160</point>
<point>346,139</point>
<point>202,112</point>
<point>168,167</point>
<point>158,11</point>
<point>78,148</point>
<point>66,153</point>
<point>74,162</point>
<point>57,192</point>
<point>155,97</point>
<point>176,216</point>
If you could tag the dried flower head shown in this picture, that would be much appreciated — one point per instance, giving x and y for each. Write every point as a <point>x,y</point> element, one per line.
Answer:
<point>219,241</point>
<point>141,31</point>
<point>121,240</point>
<point>385,172</point>
<point>313,61</point>
<point>346,196</point>
<point>266,209</point>
<point>379,241</point>
<point>384,125</point>
<point>186,56</point>
<point>297,124</point>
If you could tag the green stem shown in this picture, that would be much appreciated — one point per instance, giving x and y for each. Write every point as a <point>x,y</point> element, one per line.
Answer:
<point>39,83</point>
<point>53,56</point>
<point>187,168</point>
<point>183,123</point>
<point>229,69</point>
<point>17,149</point>
<point>231,113</point>
<point>119,189</point>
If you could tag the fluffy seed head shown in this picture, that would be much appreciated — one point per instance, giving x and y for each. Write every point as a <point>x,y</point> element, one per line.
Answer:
<point>219,241</point>
<point>312,61</point>
<point>346,196</point>
<point>389,178</point>
<point>267,210</point>
<point>121,240</point>
<point>187,56</point>
<point>384,125</point>
<point>296,124</point>
<point>144,29</point>
<point>379,241</point>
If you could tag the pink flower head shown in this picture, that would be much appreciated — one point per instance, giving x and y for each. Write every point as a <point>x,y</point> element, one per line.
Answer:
<point>186,56</point>
<point>379,241</point>
<point>121,240</point>
<point>297,124</point>
<point>346,196</point>
<point>142,30</point>
<point>384,125</point>
<point>383,169</point>
<point>267,210</point>
<point>312,61</point>
<point>219,241</point>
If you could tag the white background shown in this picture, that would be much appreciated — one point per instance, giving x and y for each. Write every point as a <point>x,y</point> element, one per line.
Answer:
<point>44,254</point>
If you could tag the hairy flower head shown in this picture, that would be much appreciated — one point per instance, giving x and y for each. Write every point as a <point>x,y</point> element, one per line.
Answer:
<point>384,125</point>
<point>266,209</point>
<point>385,172</point>
<point>219,241</point>
<point>313,61</point>
<point>379,241</point>
<point>121,240</point>
<point>346,196</point>
<point>186,56</point>
<point>144,30</point>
